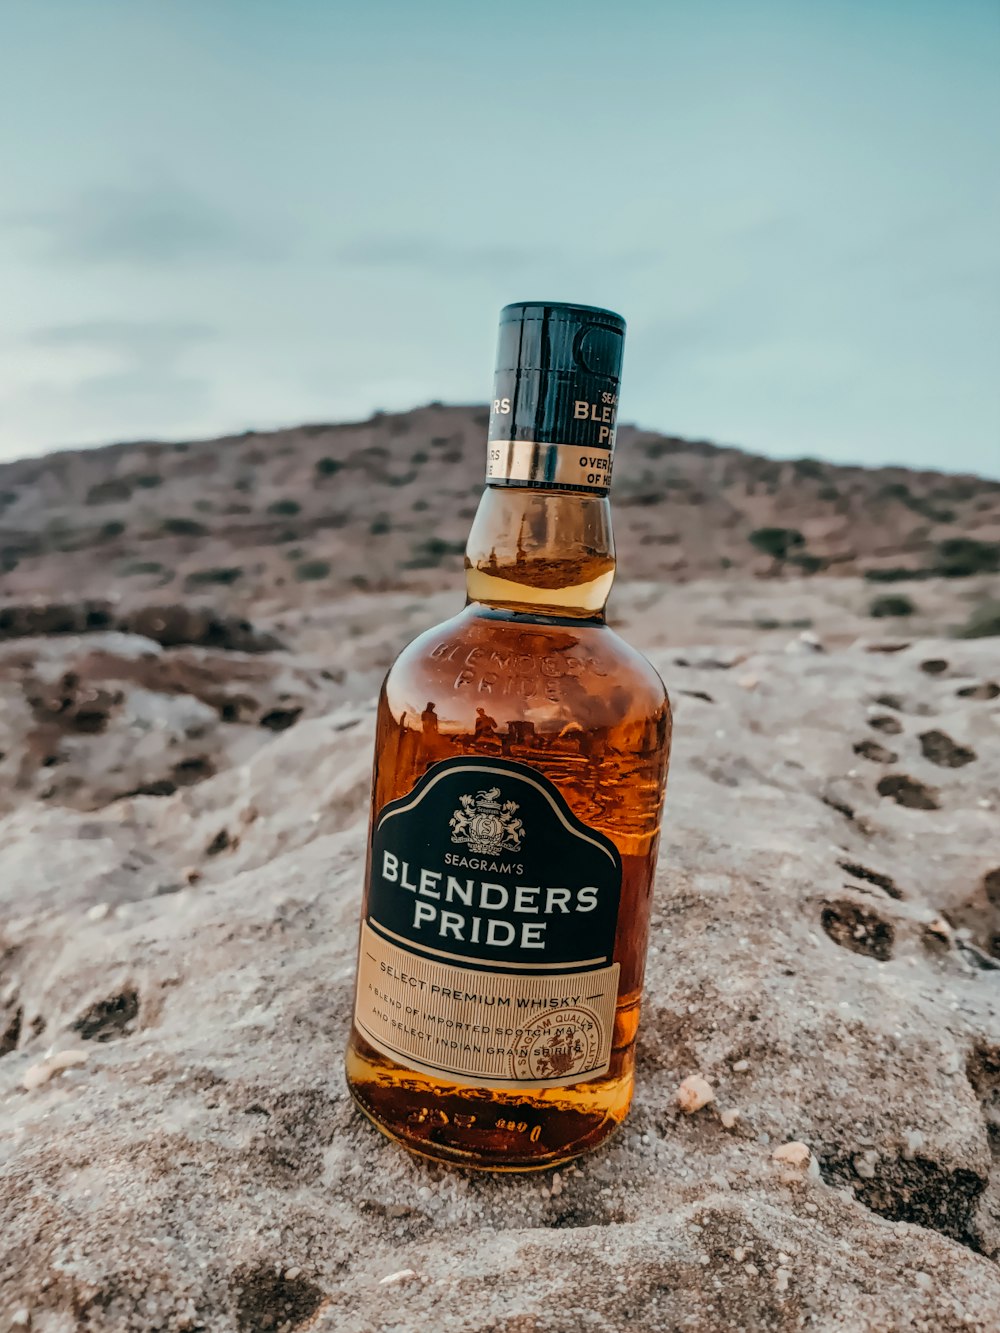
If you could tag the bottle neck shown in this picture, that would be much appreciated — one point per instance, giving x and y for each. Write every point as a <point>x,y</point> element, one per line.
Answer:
<point>547,552</point>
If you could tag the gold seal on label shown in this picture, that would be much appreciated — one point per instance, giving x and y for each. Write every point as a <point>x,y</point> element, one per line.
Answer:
<point>559,1045</point>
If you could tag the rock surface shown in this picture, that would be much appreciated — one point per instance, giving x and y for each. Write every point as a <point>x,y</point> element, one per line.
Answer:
<point>178,1152</point>
<point>191,637</point>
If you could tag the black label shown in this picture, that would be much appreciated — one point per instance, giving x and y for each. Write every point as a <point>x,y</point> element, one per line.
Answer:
<point>549,408</point>
<point>483,863</point>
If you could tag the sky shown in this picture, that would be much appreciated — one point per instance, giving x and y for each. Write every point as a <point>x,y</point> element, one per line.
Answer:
<point>227,214</point>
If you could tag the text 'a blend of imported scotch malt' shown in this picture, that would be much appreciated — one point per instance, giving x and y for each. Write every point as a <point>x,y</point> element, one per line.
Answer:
<point>520,762</point>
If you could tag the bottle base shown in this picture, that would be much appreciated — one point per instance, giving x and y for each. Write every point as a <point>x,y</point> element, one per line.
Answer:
<point>482,1131</point>
<point>469,1161</point>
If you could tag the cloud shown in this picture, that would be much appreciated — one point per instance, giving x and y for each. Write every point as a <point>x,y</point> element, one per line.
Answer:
<point>154,226</point>
<point>422,252</point>
<point>495,259</point>
<point>131,339</point>
<point>99,379</point>
<point>126,402</point>
<point>142,393</point>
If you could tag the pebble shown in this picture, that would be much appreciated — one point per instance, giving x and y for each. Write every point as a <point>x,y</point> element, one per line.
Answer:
<point>694,1093</point>
<point>53,1064</point>
<point>781,1279</point>
<point>913,1141</point>
<point>939,927</point>
<point>98,912</point>
<point>751,1270</point>
<point>291,1274</point>
<point>865,1163</point>
<point>739,1254</point>
<point>741,1066</point>
<point>923,1280</point>
<point>403,1275</point>
<point>792,1154</point>
<point>729,1117</point>
<point>796,1162</point>
<point>21,1318</point>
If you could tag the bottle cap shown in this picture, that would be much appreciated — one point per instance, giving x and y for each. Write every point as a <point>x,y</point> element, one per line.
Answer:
<point>555,397</point>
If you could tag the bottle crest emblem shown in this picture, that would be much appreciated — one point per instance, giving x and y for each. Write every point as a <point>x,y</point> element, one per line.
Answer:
<point>485,825</point>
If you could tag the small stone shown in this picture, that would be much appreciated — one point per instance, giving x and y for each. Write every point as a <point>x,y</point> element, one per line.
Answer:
<point>291,1274</point>
<point>557,1185</point>
<point>781,1279</point>
<point>694,1093</point>
<point>923,1280</point>
<point>751,1270</point>
<point>739,1254</point>
<point>729,1117</point>
<point>939,927</point>
<point>792,1154</point>
<point>748,682</point>
<point>40,1073</point>
<point>741,1066</point>
<point>98,912</point>
<point>865,1163</point>
<point>191,874</point>
<point>403,1275</point>
<point>36,1076</point>
<point>811,1207</point>
<point>912,1143</point>
<point>66,1060</point>
<point>21,1318</point>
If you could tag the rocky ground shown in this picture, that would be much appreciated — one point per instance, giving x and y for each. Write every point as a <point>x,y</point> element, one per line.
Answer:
<point>191,639</point>
<point>182,816</point>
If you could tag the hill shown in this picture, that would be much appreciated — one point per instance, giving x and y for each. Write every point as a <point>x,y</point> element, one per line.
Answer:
<point>292,517</point>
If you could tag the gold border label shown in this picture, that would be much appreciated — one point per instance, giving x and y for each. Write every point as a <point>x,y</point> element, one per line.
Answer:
<point>486,1029</point>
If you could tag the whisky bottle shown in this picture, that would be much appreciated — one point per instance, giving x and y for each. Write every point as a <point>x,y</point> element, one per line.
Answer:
<point>521,756</point>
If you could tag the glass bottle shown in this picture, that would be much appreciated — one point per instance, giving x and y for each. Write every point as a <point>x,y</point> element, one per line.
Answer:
<point>521,756</point>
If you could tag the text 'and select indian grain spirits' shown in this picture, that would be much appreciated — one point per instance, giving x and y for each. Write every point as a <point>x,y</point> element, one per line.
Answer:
<point>520,762</point>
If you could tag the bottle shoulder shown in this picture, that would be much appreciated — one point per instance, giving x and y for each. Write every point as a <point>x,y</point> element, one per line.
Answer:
<point>518,667</point>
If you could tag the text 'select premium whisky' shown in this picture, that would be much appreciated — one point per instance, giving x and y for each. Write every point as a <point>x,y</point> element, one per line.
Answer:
<point>520,761</point>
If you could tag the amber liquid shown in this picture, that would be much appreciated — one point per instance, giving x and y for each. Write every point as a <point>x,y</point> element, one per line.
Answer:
<point>529,671</point>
